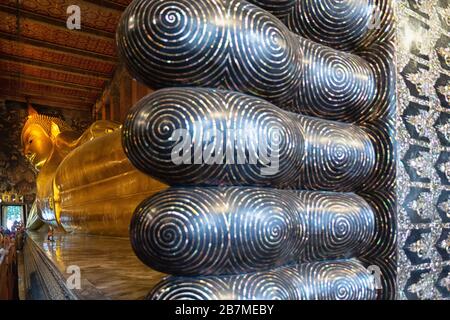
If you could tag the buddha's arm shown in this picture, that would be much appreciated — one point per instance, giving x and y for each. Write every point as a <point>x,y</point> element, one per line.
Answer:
<point>96,189</point>
<point>69,140</point>
<point>98,129</point>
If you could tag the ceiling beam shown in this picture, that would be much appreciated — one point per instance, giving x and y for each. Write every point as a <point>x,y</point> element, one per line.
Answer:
<point>46,93</point>
<point>52,96</point>
<point>56,67</point>
<point>56,99</point>
<point>20,43</point>
<point>108,4</point>
<point>54,83</point>
<point>45,102</point>
<point>56,47</point>
<point>56,22</point>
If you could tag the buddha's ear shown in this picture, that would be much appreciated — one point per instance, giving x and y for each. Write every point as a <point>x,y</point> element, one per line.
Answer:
<point>55,130</point>
<point>31,110</point>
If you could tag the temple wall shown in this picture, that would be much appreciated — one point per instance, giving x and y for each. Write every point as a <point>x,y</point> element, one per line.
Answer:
<point>423,126</point>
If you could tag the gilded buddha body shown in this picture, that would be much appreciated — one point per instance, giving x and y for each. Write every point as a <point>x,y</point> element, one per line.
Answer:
<point>85,183</point>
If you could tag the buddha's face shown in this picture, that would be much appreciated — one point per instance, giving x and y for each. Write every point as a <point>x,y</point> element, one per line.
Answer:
<point>37,145</point>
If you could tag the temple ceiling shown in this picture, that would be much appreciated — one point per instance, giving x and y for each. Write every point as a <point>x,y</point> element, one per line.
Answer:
<point>44,61</point>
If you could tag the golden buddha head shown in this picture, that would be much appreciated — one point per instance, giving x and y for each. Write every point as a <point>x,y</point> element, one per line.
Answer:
<point>38,137</point>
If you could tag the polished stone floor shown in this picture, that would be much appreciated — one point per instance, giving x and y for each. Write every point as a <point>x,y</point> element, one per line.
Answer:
<point>20,272</point>
<point>108,264</point>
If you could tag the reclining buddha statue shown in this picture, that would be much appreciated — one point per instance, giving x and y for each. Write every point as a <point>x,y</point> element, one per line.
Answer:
<point>85,182</point>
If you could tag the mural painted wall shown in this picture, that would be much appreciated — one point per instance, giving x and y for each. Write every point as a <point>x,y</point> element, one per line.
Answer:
<point>424,147</point>
<point>15,173</point>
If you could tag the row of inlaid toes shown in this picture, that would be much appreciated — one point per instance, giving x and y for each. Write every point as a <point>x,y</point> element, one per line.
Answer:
<point>234,224</point>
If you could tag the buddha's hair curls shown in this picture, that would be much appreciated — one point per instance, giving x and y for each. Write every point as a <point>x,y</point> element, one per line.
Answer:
<point>45,122</point>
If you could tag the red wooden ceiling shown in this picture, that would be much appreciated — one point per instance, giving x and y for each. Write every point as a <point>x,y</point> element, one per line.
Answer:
<point>42,60</point>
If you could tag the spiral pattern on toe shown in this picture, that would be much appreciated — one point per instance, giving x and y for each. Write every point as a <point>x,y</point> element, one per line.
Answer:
<point>246,133</point>
<point>382,134</point>
<point>168,236</point>
<point>344,280</point>
<point>189,231</point>
<point>254,143</point>
<point>338,156</point>
<point>201,43</point>
<point>336,23</point>
<point>338,281</point>
<point>334,83</point>
<point>183,42</point>
<point>272,286</point>
<point>384,204</point>
<point>340,225</point>
<point>381,58</point>
<point>190,289</point>
<point>237,46</point>
<point>279,8</point>
<point>263,54</point>
<point>349,25</point>
<point>265,228</point>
